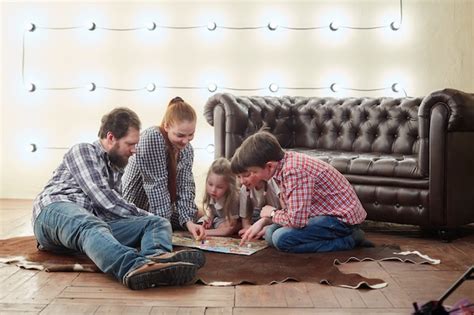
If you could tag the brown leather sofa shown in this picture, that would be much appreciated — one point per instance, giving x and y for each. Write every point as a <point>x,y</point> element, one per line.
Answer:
<point>410,160</point>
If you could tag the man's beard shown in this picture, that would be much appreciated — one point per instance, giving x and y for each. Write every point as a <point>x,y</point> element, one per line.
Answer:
<point>117,159</point>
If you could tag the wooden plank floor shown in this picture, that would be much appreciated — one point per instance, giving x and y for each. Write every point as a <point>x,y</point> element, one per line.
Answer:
<point>34,292</point>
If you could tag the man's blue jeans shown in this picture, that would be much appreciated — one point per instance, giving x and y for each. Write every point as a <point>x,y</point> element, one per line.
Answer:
<point>321,234</point>
<point>65,227</point>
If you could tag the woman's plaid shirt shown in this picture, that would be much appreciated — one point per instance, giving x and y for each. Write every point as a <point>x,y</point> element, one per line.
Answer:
<point>145,182</point>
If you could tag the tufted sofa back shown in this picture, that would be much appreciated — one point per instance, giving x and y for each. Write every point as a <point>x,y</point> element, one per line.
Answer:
<point>360,136</point>
<point>382,125</point>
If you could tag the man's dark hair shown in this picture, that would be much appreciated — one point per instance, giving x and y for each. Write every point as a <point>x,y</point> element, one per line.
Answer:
<point>256,150</point>
<point>118,121</point>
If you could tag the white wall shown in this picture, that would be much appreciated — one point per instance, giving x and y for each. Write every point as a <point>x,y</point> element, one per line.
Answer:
<point>432,50</point>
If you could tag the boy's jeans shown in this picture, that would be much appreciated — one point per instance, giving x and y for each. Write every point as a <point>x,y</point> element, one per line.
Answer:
<point>65,227</point>
<point>322,234</point>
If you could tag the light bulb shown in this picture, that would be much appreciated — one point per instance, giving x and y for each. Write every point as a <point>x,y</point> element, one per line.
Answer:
<point>151,26</point>
<point>395,26</point>
<point>334,87</point>
<point>273,87</point>
<point>211,26</point>
<point>210,148</point>
<point>151,87</point>
<point>334,26</point>
<point>91,86</point>
<point>31,87</point>
<point>32,147</point>
<point>396,87</point>
<point>91,26</point>
<point>212,87</point>
<point>272,26</point>
<point>30,27</point>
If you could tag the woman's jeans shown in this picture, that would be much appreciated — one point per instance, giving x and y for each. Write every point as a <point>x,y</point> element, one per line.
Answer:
<point>65,227</point>
<point>321,234</point>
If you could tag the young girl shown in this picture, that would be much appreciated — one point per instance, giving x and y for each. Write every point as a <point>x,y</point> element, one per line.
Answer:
<point>221,201</point>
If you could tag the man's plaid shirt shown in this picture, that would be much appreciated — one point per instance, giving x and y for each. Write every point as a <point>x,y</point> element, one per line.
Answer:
<point>145,182</point>
<point>86,177</point>
<point>310,188</point>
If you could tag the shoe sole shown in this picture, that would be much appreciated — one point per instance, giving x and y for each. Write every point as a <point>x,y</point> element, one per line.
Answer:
<point>192,256</point>
<point>167,276</point>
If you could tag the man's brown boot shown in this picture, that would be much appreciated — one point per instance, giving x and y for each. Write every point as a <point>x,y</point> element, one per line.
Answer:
<point>154,274</point>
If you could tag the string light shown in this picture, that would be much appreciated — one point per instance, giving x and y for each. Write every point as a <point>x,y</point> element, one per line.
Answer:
<point>212,87</point>
<point>91,86</point>
<point>211,26</point>
<point>333,26</point>
<point>30,27</point>
<point>151,26</point>
<point>32,147</point>
<point>273,87</point>
<point>272,26</point>
<point>395,26</point>
<point>31,87</point>
<point>91,26</point>
<point>151,87</point>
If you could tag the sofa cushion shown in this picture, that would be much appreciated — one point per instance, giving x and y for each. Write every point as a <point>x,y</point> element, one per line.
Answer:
<point>371,164</point>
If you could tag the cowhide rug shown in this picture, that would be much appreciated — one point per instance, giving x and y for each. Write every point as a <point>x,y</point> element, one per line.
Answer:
<point>267,266</point>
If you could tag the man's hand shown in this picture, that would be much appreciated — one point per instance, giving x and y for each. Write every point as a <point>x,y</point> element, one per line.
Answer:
<point>198,231</point>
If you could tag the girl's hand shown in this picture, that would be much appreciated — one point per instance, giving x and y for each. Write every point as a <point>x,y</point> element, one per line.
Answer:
<point>207,224</point>
<point>198,231</point>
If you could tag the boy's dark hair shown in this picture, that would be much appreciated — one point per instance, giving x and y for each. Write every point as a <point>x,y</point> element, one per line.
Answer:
<point>118,121</point>
<point>256,150</point>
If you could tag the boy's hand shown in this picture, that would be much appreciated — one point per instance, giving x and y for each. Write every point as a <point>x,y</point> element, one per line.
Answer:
<point>266,211</point>
<point>198,231</point>
<point>253,232</point>
<point>246,224</point>
<point>242,231</point>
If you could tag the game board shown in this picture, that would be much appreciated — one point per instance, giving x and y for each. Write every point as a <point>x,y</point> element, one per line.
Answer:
<point>218,244</point>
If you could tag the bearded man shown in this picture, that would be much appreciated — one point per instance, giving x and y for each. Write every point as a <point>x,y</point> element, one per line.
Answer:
<point>81,209</point>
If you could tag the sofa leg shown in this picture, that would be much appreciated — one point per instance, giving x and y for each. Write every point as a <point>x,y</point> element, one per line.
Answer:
<point>448,234</point>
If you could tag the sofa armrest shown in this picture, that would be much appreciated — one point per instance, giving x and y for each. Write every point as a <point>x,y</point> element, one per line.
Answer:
<point>446,130</point>
<point>442,112</point>
<point>230,120</point>
<point>460,106</point>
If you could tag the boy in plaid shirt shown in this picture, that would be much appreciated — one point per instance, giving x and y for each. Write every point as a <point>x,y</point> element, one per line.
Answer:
<point>320,210</point>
